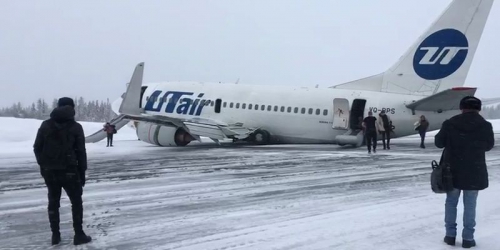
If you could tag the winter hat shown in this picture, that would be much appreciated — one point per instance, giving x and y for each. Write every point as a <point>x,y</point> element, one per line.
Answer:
<point>65,101</point>
<point>470,102</point>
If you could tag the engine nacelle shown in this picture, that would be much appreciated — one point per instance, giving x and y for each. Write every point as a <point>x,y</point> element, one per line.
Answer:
<point>162,135</point>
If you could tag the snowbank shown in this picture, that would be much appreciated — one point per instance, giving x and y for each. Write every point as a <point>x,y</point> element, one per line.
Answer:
<point>17,137</point>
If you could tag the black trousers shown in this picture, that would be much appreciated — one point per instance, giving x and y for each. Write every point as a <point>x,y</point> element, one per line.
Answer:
<point>371,139</point>
<point>70,182</point>
<point>386,135</point>
<point>110,139</point>
<point>422,138</point>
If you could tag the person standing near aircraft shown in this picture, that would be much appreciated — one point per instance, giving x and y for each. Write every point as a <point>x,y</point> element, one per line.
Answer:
<point>465,138</point>
<point>370,127</point>
<point>385,128</point>
<point>110,130</point>
<point>60,152</point>
<point>421,126</point>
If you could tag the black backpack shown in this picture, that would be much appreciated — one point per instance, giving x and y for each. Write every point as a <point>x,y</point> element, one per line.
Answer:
<point>57,151</point>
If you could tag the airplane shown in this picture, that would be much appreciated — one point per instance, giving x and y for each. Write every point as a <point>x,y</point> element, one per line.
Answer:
<point>427,80</point>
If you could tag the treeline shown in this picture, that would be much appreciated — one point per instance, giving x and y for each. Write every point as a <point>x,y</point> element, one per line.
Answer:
<point>91,111</point>
<point>491,112</point>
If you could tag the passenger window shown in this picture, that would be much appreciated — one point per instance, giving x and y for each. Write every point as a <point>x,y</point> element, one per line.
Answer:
<point>256,106</point>
<point>310,111</point>
<point>262,107</point>
<point>269,107</point>
<point>212,103</point>
<point>243,106</point>
<point>303,110</point>
<point>318,111</point>
<point>296,110</point>
<point>250,106</point>
<point>289,109</point>
<point>275,108</point>
<point>231,105</point>
<point>224,104</point>
<point>325,112</point>
<point>282,109</point>
<point>217,105</point>
<point>238,105</point>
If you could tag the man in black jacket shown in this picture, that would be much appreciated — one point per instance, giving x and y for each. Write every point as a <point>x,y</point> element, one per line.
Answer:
<point>370,126</point>
<point>60,152</point>
<point>466,137</point>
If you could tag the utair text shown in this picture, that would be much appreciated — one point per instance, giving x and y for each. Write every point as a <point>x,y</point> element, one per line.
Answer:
<point>177,102</point>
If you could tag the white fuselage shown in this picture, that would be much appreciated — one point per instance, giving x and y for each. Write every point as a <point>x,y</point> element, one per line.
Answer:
<point>279,117</point>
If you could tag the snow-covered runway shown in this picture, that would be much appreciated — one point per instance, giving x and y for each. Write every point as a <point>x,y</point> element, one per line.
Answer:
<point>243,197</point>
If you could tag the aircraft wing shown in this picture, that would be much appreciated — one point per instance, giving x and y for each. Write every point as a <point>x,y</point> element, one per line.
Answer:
<point>130,109</point>
<point>445,100</point>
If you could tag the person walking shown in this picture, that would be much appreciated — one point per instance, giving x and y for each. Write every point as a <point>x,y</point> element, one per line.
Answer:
<point>465,138</point>
<point>110,131</point>
<point>385,128</point>
<point>370,127</point>
<point>422,125</point>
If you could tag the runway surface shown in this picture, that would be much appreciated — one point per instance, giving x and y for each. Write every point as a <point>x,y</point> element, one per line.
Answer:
<point>246,197</point>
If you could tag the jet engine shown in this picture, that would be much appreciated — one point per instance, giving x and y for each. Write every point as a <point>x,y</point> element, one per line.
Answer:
<point>162,135</point>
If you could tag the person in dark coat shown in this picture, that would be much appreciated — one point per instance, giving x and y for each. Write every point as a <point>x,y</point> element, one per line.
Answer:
<point>370,126</point>
<point>422,127</point>
<point>110,130</point>
<point>60,152</point>
<point>465,139</point>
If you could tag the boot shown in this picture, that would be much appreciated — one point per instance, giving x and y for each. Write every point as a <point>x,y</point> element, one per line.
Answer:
<point>468,243</point>
<point>81,238</point>
<point>54,226</point>
<point>56,238</point>
<point>449,240</point>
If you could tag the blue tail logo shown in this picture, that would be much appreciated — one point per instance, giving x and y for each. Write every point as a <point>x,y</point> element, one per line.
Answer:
<point>440,54</point>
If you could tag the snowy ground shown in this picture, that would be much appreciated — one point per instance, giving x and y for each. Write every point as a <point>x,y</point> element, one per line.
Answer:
<point>238,197</point>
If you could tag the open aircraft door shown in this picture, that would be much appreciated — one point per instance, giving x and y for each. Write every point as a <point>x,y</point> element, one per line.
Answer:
<point>340,113</point>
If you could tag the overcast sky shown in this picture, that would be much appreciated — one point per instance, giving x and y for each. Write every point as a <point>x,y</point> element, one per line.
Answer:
<point>89,48</point>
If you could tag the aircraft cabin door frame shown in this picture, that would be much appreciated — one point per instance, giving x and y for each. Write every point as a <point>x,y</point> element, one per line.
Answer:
<point>341,113</point>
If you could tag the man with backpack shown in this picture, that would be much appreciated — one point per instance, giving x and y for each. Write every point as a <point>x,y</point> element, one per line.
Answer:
<point>60,152</point>
<point>110,130</point>
<point>465,139</point>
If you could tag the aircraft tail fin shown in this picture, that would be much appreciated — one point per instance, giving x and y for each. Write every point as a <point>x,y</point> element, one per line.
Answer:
<point>440,58</point>
<point>131,103</point>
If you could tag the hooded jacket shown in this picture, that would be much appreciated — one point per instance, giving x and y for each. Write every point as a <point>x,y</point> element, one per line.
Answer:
<point>466,138</point>
<point>63,117</point>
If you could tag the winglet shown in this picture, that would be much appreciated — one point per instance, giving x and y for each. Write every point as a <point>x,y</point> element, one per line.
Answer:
<point>132,98</point>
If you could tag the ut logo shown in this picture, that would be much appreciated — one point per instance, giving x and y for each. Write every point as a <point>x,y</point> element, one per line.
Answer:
<point>444,56</point>
<point>440,54</point>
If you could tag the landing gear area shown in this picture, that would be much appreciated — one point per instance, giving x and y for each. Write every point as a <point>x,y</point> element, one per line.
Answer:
<point>259,137</point>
